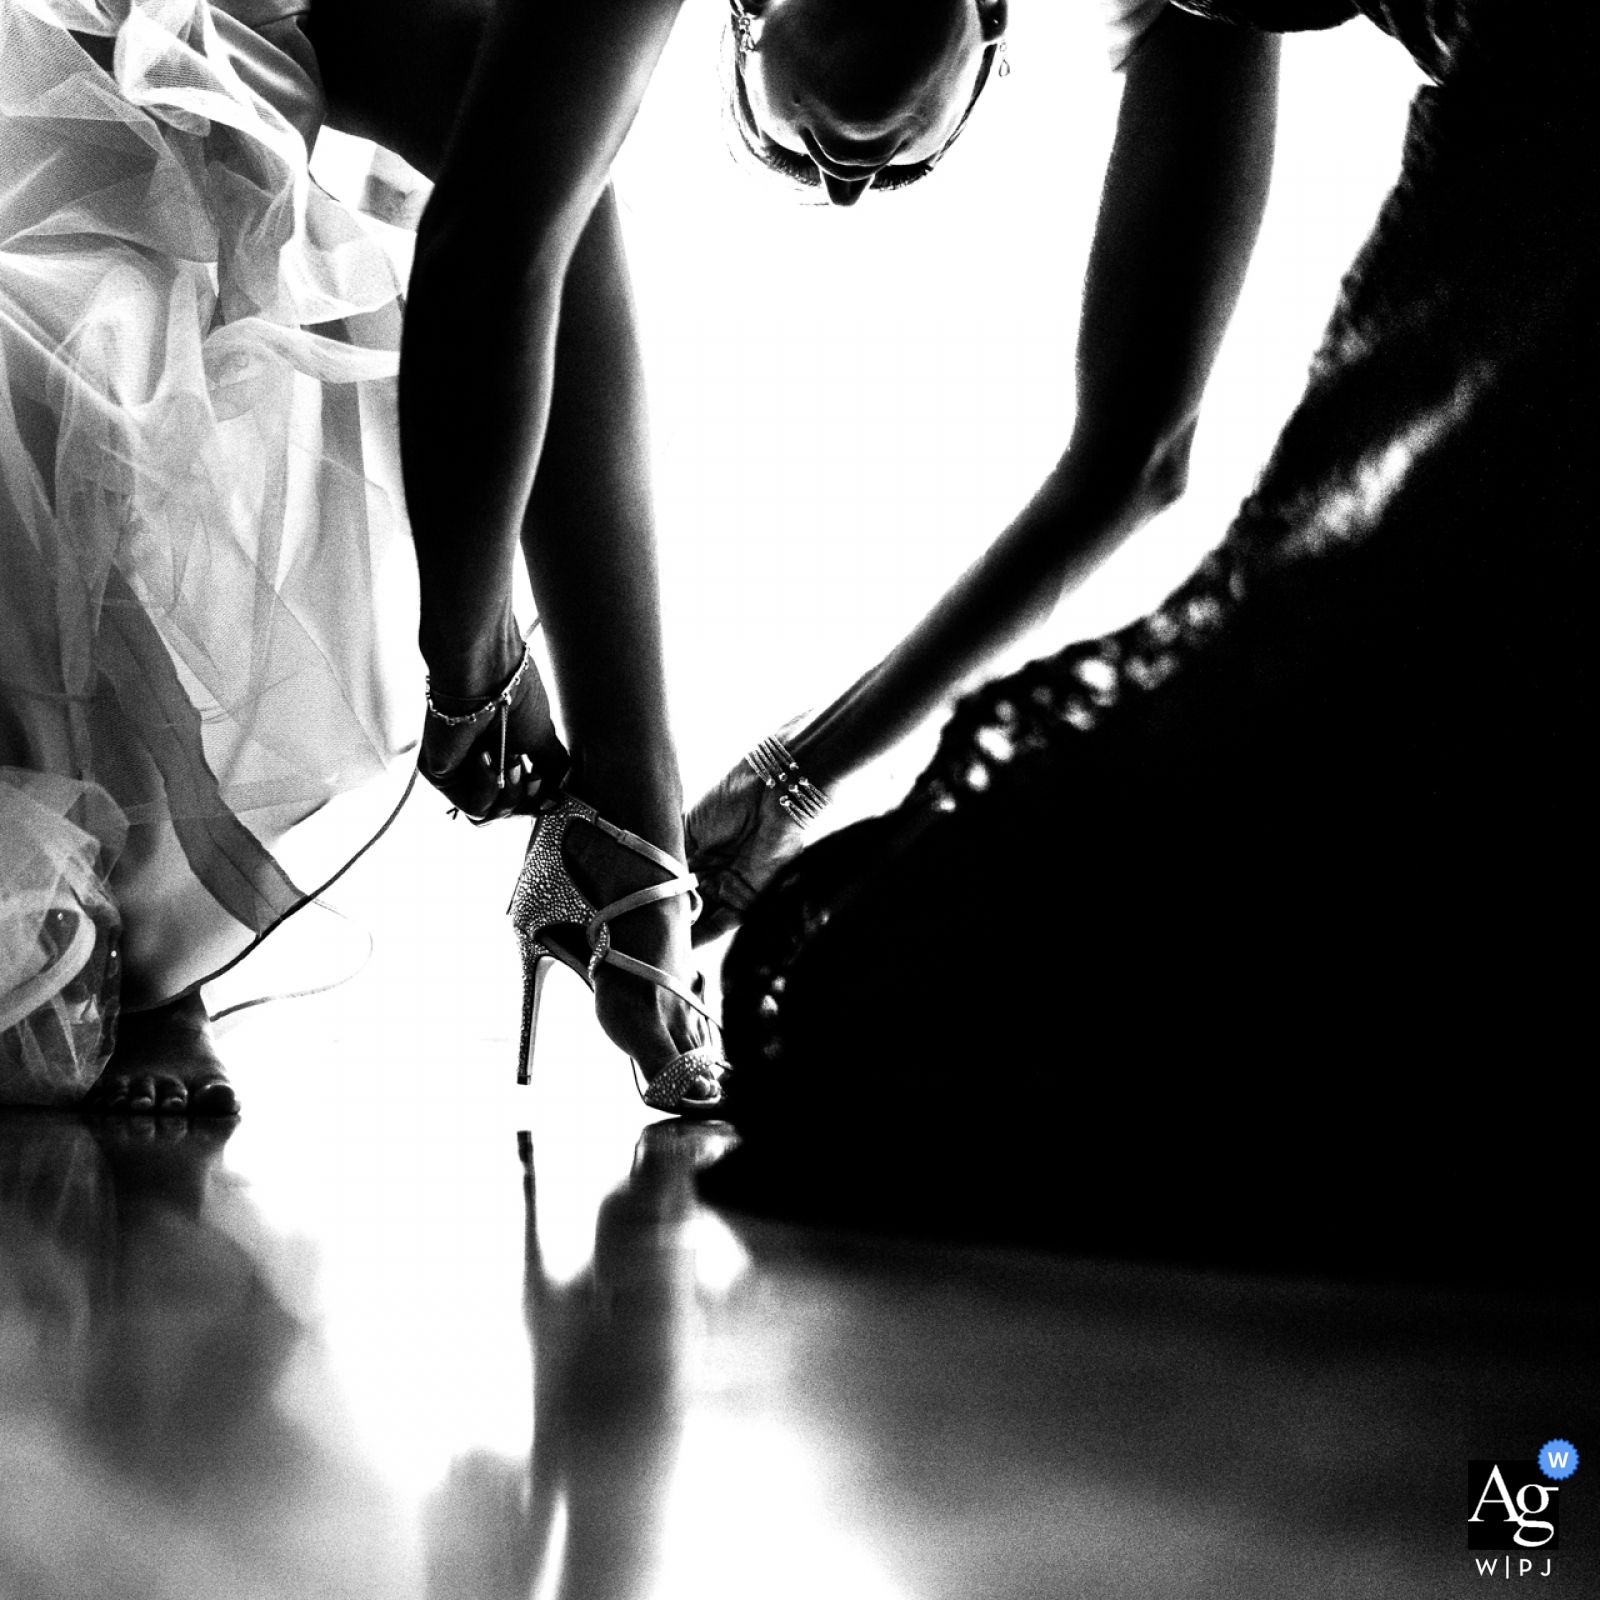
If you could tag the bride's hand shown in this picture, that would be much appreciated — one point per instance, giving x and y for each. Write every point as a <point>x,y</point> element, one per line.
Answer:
<point>737,837</point>
<point>463,759</point>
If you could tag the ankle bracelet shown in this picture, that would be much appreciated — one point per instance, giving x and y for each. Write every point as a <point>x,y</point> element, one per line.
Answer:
<point>802,801</point>
<point>499,701</point>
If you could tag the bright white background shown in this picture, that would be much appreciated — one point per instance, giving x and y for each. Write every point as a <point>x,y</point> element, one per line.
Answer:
<point>847,406</point>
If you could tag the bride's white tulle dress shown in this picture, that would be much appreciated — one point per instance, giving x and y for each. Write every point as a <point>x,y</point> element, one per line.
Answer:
<point>206,587</point>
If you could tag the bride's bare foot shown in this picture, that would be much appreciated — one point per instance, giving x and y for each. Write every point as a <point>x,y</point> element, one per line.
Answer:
<point>164,1065</point>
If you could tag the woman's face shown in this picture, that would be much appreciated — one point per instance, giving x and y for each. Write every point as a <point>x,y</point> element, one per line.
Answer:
<point>858,85</point>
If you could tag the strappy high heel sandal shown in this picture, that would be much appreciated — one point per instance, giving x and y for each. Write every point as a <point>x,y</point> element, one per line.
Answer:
<point>546,898</point>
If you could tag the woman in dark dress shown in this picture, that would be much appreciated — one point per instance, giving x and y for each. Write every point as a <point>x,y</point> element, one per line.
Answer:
<point>1252,919</point>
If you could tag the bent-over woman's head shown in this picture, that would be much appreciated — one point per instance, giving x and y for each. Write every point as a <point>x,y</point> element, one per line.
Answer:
<point>859,94</point>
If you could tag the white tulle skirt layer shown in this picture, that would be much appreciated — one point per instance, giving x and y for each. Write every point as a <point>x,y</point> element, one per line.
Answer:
<point>207,597</point>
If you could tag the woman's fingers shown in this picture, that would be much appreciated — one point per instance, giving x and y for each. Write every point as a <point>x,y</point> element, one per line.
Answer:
<point>524,786</point>
<point>490,791</point>
<point>527,779</point>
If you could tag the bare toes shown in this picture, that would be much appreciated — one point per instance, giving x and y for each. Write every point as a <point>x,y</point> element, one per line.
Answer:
<point>172,1097</point>
<point>213,1097</point>
<point>702,1091</point>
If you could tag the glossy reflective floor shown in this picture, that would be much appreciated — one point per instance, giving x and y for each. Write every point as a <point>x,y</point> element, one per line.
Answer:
<point>408,1333</point>
<point>382,1350</point>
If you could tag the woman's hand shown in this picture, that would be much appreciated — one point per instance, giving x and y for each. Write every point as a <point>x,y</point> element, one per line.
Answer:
<point>504,759</point>
<point>738,838</point>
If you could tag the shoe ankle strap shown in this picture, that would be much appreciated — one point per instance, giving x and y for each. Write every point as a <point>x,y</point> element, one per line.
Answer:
<point>682,880</point>
<point>612,957</point>
<point>638,844</point>
<point>653,895</point>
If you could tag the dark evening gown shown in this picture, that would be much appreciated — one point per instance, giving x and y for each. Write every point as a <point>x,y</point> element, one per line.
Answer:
<point>1251,931</point>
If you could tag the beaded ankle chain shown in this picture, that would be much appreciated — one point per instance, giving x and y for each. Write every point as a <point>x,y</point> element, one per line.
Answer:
<point>802,801</point>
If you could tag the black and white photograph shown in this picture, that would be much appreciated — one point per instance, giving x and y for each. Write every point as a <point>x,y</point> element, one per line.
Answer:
<point>791,799</point>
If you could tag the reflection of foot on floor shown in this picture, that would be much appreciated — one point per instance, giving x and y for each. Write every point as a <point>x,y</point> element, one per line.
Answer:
<point>164,1065</point>
<point>669,1154</point>
<point>164,1159</point>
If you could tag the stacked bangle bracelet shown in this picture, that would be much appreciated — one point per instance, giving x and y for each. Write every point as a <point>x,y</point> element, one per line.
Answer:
<point>802,801</point>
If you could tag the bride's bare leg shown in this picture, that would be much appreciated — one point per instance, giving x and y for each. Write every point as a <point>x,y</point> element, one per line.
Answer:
<point>395,72</point>
<point>589,540</point>
<point>164,1065</point>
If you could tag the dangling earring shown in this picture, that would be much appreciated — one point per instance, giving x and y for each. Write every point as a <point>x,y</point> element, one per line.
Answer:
<point>992,18</point>
<point>744,29</point>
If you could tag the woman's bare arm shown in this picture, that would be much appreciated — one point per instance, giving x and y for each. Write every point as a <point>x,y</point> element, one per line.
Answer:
<point>1182,204</point>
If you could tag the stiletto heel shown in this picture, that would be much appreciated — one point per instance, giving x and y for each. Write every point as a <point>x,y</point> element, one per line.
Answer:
<point>536,963</point>
<point>546,898</point>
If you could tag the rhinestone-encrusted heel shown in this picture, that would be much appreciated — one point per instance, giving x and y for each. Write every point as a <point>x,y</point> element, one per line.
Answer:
<point>536,964</point>
<point>546,898</point>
